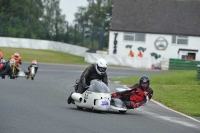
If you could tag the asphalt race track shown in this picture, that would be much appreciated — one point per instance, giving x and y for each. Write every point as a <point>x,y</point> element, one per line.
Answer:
<point>40,106</point>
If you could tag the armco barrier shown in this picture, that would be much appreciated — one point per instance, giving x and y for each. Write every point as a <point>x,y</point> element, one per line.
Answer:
<point>42,45</point>
<point>198,72</point>
<point>180,64</point>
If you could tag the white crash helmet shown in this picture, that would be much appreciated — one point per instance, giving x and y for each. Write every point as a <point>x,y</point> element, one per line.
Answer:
<point>101,66</point>
<point>34,62</point>
<point>16,55</point>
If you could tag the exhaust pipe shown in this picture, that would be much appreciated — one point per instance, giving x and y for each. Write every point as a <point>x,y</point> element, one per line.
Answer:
<point>77,97</point>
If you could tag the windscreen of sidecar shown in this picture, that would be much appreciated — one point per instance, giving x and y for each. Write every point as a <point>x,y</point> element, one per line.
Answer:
<point>98,86</point>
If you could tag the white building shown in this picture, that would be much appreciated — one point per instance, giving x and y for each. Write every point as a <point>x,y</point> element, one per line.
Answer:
<point>158,28</point>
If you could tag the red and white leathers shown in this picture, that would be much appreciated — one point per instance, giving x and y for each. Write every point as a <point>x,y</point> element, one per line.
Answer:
<point>1,64</point>
<point>134,97</point>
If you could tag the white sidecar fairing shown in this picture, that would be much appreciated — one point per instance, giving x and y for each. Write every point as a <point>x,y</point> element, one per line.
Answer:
<point>21,74</point>
<point>97,97</point>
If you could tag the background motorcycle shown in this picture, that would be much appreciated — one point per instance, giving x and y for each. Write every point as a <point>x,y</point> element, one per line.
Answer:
<point>31,73</point>
<point>15,70</point>
<point>6,70</point>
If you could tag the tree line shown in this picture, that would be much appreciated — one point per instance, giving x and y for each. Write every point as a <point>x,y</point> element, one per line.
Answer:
<point>42,19</point>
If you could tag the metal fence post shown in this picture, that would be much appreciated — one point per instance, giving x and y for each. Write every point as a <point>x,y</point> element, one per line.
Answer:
<point>75,35</point>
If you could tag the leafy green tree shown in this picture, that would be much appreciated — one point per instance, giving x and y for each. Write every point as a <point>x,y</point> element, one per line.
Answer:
<point>55,21</point>
<point>37,19</point>
<point>94,17</point>
<point>18,18</point>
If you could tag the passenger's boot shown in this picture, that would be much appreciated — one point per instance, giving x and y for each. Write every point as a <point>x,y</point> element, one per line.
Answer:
<point>70,100</point>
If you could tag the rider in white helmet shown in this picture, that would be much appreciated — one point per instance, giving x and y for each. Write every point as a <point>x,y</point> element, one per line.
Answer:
<point>101,66</point>
<point>35,64</point>
<point>94,71</point>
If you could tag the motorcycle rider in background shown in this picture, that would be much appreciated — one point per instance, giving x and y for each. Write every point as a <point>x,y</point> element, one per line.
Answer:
<point>17,60</point>
<point>1,63</point>
<point>138,95</point>
<point>94,71</point>
<point>34,63</point>
<point>1,53</point>
<point>4,67</point>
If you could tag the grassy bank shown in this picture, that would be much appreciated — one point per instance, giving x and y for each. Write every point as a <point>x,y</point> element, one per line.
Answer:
<point>179,90</point>
<point>46,56</point>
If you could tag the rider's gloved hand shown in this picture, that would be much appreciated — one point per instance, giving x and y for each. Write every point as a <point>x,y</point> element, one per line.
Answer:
<point>146,93</point>
<point>115,95</point>
<point>118,93</point>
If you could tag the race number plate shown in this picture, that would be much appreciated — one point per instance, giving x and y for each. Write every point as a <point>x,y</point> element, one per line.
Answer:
<point>104,103</point>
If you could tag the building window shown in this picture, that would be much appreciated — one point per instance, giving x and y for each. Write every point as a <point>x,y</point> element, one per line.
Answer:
<point>129,37</point>
<point>137,37</point>
<point>180,40</point>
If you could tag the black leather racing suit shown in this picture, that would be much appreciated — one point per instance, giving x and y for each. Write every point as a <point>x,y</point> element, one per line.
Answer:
<point>89,74</point>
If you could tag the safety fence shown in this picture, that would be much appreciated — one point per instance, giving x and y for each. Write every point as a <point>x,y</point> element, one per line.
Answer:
<point>180,64</point>
<point>42,45</point>
<point>198,72</point>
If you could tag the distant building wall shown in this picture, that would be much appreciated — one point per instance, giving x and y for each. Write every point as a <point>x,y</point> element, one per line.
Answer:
<point>170,50</point>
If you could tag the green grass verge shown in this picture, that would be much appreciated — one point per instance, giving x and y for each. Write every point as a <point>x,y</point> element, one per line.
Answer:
<point>179,90</point>
<point>45,56</point>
